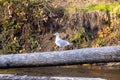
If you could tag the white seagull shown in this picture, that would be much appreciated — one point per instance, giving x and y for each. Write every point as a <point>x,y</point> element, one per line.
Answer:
<point>59,42</point>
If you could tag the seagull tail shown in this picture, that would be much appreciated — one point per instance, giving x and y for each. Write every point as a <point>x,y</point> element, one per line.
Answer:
<point>70,44</point>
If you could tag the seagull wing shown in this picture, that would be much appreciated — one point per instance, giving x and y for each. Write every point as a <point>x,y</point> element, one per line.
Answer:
<point>63,43</point>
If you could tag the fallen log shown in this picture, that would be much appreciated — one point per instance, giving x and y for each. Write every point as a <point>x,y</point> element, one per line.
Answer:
<point>25,77</point>
<point>78,56</point>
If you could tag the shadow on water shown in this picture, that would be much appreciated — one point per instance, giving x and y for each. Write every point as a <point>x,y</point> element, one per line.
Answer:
<point>70,71</point>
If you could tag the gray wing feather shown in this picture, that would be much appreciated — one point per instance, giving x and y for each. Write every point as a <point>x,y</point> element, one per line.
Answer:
<point>63,42</point>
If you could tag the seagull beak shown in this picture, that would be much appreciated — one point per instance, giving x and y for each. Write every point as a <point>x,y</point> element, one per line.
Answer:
<point>56,34</point>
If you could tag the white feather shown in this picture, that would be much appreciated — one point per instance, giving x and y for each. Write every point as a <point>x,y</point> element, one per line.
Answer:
<point>59,42</point>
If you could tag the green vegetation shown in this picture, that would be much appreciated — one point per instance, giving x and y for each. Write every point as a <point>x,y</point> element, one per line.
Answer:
<point>20,23</point>
<point>79,37</point>
<point>107,34</point>
<point>105,7</point>
<point>27,25</point>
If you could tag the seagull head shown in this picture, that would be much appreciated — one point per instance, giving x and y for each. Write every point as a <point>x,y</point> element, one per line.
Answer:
<point>56,34</point>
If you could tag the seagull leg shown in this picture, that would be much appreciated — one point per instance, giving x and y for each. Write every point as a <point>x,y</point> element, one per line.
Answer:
<point>61,48</point>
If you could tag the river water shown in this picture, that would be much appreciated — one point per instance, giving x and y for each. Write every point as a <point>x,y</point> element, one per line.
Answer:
<point>108,73</point>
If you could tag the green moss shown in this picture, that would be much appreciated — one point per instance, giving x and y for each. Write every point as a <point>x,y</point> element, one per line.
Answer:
<point>99,41</point>
<point>103,7</point>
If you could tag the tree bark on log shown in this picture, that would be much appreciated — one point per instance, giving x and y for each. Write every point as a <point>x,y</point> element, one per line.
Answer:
<point>25,77</point>
<point>78,56</point>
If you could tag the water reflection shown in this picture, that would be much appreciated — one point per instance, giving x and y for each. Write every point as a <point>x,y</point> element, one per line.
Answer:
<point>71,71</point>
